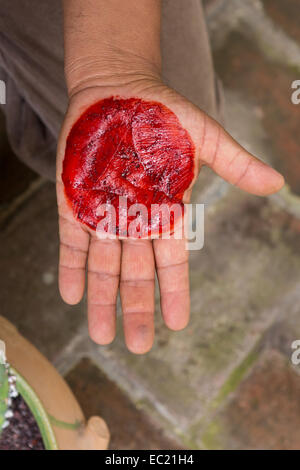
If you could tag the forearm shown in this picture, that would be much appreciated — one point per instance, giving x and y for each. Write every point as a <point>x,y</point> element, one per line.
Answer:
<point>107,41</point>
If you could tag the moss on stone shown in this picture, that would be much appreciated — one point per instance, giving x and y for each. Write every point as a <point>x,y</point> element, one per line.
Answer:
<point>211,438</point>
<point>235,378</point>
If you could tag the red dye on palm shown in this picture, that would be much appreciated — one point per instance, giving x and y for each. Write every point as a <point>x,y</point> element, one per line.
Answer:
<point>131,148</point>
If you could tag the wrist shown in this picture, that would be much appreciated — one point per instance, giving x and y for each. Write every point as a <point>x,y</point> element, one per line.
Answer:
<point>111,70</point>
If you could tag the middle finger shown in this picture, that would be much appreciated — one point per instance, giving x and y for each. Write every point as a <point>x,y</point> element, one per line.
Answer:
<point>137,294</point>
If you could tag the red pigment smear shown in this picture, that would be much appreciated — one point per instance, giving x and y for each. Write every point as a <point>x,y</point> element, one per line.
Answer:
<point>126,147</point>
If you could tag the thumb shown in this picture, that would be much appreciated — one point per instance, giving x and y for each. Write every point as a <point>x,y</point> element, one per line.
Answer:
<point>232,162</point>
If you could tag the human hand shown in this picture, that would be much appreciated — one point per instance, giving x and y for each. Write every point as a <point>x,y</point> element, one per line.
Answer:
<point>130,264</point>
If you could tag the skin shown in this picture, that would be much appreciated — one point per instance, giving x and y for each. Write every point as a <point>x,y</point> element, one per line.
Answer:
<point>133,70</point>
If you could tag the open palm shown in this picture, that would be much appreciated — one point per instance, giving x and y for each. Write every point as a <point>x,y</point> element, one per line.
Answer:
<point>130,265</point>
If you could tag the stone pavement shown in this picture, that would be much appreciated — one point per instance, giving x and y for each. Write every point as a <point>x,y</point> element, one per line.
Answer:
<point>226,381</point>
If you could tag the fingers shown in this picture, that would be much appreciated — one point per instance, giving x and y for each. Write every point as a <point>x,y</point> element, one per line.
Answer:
<point>172,270</point>
<point>233,163</point>
<point>74,243</point>
<point>137,294</point>
<point>103,282</point>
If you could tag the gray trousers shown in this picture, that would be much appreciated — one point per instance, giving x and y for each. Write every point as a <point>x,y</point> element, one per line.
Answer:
<point>31,64</point>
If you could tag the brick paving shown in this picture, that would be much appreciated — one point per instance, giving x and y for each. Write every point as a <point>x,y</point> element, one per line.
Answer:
<point>263,413</point>
<point>98,395</point>
<point>244,69</point>
<point>285,14</point>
